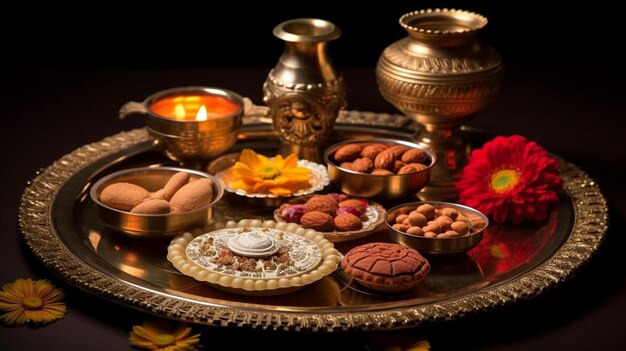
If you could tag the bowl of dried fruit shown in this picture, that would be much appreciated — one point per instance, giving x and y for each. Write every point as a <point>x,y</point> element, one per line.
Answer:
<point>379,168</point>
<point>436,227</point>
<point>153,202</point>
<point>337,216</point>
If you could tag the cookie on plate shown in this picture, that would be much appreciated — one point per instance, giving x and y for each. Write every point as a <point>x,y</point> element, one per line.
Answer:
<point>385,267</point>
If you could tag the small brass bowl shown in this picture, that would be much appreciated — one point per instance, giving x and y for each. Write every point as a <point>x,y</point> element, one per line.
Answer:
<point>385,187</point>
<point>437,246</point>
<point>152,225</point>
<point>190,140</point>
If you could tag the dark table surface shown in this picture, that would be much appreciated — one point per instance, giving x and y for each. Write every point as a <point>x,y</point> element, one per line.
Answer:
<point>575,112</point>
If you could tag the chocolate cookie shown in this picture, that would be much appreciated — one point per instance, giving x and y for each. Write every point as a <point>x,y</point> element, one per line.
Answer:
<point>385,267</point>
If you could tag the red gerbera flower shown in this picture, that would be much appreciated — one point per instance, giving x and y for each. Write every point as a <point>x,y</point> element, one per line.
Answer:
<point>510,178</point>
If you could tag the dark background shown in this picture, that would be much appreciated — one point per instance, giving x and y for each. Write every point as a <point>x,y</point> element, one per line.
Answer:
<point>235,34</point>
<point>66,72</point>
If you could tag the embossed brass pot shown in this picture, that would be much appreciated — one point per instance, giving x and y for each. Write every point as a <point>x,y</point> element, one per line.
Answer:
<point>440,76</point>
<point>190,141</point>
<point>303,91</point>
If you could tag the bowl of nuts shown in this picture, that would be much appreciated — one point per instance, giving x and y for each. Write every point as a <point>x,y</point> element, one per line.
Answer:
<point>154,202</point>
<point>379,168</point>
<point>337,216</point>
<point>436,227</point>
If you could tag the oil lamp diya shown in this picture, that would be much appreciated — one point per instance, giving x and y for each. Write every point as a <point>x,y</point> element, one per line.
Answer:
<point>190,125</point>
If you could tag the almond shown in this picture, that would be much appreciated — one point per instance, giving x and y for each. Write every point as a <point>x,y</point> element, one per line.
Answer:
<point>384,160</point>
<point>317,220</point>
<point>363,165</point>
<point>346,165</point>
<point>361,205</point>
<point>347,221</point>
<point>372,150</point>
<point>397,165</point>
<point>322,203</point>
<point>347,153</point>
<point>414,156</point>
<point>398,150</point>
<point>382,172</point>
<point>412,168</point>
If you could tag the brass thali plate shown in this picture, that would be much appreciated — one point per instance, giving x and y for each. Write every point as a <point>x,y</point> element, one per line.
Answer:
<point>60,225</point>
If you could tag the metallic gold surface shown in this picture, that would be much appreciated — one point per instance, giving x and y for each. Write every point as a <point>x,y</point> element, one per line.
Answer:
<point>153,225</point>
<point>59,226</point>
<point>379,187</point>
<point>189,141</point>
<point>440,76</point>
<point>303,91</point>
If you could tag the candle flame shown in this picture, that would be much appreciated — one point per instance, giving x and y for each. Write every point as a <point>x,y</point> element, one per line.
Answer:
<point>202,114</point>
<point>179,111</point>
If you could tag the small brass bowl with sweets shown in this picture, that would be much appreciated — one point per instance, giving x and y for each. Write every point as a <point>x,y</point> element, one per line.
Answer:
<point>152,202</point>
<point>379,168</point>
<point>436,227</point>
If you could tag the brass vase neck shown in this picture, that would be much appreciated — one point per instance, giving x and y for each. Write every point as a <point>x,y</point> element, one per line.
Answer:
<point>305,50</point>
<point>443,27</point>
<point>307,30</point>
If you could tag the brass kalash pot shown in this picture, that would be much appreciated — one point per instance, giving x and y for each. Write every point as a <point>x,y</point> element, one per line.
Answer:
<point>304,91</point>
<point>440,76</point>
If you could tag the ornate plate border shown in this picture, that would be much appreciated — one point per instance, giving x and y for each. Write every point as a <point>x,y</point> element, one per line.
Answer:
<point>589,228</point>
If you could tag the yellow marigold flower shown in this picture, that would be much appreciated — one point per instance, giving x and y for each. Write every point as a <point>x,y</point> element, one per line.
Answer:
<point>258,174</point>
<point>25,301</point>
<point>162,336</point>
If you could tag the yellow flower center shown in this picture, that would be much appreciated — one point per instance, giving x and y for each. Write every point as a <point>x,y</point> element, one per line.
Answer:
<point>32,302</point>
<point>505,180</point>
<point>163,340</point>
<point>496,252</point>
<point>268,172</point>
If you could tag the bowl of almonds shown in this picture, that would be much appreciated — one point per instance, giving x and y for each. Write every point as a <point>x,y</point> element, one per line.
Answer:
<point>436,227</point>
<point>379,168</point>
<point>154,202</point>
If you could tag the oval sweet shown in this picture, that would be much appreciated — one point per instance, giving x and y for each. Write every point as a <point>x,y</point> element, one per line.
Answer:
<point>176,182</point>
<point>123,196</point>
<point>192,196</point>
<point>153,206</point>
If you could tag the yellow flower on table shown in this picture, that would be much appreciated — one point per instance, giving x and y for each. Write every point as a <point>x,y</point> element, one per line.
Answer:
<point>258,174</point>
<point>161,336</point>
<point>25,301</point>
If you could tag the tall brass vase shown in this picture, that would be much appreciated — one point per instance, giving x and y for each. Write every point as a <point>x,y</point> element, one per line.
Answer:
<point>303,91</point>
<point>441,75</point>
